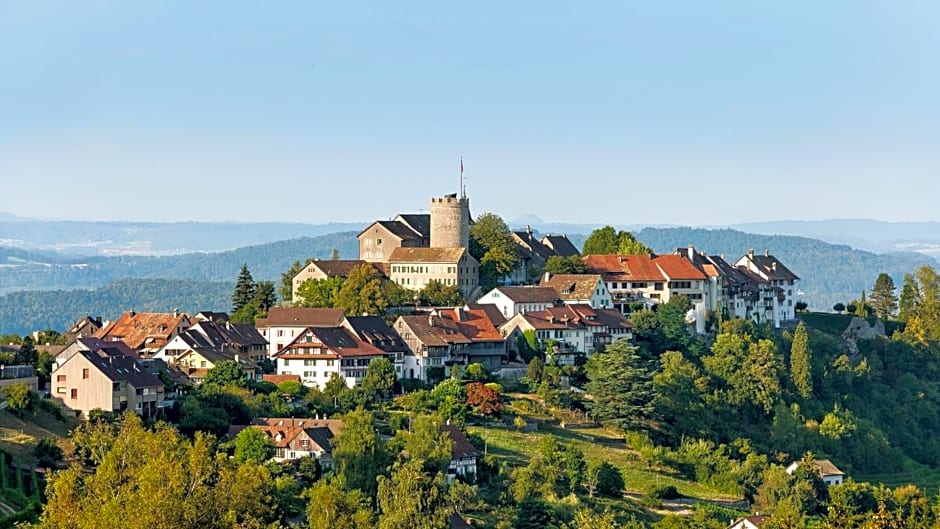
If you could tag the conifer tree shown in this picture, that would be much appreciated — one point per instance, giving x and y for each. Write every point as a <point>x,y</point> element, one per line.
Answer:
<point>244,289</point>
<point>800,362</point>
<point>883,297</point>
<point>908,298</point>
<point>622,387</point>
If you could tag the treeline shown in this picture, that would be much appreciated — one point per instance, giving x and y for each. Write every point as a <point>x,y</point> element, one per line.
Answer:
<point>25,312</point>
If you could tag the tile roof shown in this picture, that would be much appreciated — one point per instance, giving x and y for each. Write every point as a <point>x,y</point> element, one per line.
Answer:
<point>337,340</point>
<point>278,379</point>
<point>425,255</point>
<point>106,348</point>
<point>121,368</point>
<point>643,267</point>
<point>460,445</point>
<point>215,356</point>
<point>320,431</point>
<point>676,267</point>
<point>342,267</point>
<point>532,247</point>
<point>572,286</point>
<point>375,331</point>
<point>772,266</point>
<point>435,331</point>
<point>561,245</point>
<point>492,312</point>
<point>399,229</point>
<point>538,294</point>
<point>827,468</point>
<point>473,324</point>
<point>301,317</point>
<point>757,520</point>
<point>144,330</point>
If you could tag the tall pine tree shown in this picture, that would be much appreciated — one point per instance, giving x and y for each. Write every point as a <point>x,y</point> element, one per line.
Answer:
<point>622,387</point>
<point>244,289</point>
<point>800,362</point>
<point>883,297</point>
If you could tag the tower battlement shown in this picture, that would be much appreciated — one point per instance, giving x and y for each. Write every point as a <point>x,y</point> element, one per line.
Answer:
<point>450,222</point>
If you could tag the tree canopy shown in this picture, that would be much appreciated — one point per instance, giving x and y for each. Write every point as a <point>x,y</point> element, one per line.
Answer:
<point>608,240</point>
<point>493,246</point>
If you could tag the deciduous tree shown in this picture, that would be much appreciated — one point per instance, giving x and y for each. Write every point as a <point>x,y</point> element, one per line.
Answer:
<point>319,293</point>
<point>362,292</point>
<point>358,454</point>
<point>252,444</point>
<point>801,362</point>
<point>380,377</point>
<point>884,297</point>
<point>494,248</point>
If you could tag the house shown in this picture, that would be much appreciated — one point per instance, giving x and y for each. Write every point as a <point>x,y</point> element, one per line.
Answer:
<point>112,383</point>
<point>145,332</point>
<point>647,278</point>
<point>513,300</point>
<point>374,331</point>
<point>86,326</point>
<point>195,363</point>
<point>380,238</point>
<point>297,438</point>
<point>317,270</point>
<point>534,253</point>
<point>94,345</point>
<point>776,286</point>
<point>579,289</point>
<point>829,473</point>
<point>728,289</point>
<point>487,345</point>
<point>414,268</point>
<point>574,328</point>
<point>464,456</point>
<point>317,353</point>
<point>10,375</point>
<point>242,338</point>
<point>283,324</point>
<point>209,315</point>
<point>756,521</point>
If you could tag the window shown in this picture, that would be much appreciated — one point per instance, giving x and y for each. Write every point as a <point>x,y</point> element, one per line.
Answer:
<point>310,374</point>
<point>368,242</point>
<point>202,363</point>
<point>639,285</point>
<point>286,362</point>
<point>329,363</point>
<point>303,442</point>
<point>74,393</point>
<point>280,332</point>
<point>60,390</point>
<point>310,362</point>
<point>84,373</point>
<point>378,242</point>
<point>658,286</point>
<point>60,378</point>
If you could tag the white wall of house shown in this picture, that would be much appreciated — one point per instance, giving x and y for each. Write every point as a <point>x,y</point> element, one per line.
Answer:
<point>312,372</point>
<point>509,307</point>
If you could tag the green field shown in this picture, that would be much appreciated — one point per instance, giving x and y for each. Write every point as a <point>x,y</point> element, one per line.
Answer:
<point>836,324</point>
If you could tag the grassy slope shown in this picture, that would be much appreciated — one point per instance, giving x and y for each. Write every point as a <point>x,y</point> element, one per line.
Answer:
<point>19,436</point>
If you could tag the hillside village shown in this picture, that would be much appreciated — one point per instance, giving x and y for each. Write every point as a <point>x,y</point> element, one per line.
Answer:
<point>485,344</point>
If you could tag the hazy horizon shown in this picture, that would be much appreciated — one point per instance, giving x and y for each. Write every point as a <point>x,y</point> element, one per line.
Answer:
<point>665,113</point>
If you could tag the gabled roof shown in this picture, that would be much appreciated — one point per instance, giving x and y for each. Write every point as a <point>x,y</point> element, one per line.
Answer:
<point>396,228</point>
<point>643,267</point>
<point>540,294</point>
<point>419,222</point>
<point>435,331</point>
<point>208,315</point>
<point>772,267</point>
<point>301,317</point>
<point>460,445</point>
<point>120,368</point>
<point>572,286</point>
<point>375,331</point>
<point>144,330</point>
<point>560,245</point>
<point>278,379</point>
<point>425,255</point>
<point>337,340</point>
<point>491,311</point>
<point>757,520</point>
<point>282,431</point>
<point>675,267</point>
<point>105,348</point>
<point>342,267</point>
<point>473,324</point>
<point>84,324</point>
<point>531,247</point>
<point>215,356</point>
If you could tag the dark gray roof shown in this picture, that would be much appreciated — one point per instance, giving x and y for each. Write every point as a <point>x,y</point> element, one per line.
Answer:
<point>123,368</point>
<point>400,229</point>
<point>560,245</point>
<point>773,267</point>
<point>419,222</point>
<point>375,331</point>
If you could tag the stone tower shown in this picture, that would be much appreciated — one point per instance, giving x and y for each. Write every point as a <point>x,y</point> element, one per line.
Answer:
<point>450,222</point>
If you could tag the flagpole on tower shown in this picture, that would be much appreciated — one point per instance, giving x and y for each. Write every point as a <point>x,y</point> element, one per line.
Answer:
<point>463,190</point>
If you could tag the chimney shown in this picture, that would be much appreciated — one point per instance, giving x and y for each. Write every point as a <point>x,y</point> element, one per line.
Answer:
<point>773,266</point>
<point>528,229</point>
<point>546,277</point>
<point>766,253</point>
<point>750,252</point>
<point>430,321</point>
<point>176,312</point>
<point>691,252</point>
<point>236,358</point>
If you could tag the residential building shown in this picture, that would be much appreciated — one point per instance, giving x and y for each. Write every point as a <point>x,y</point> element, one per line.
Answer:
<point>579,289</point>
<point>317,270</point>
<point>145,332</point>
<point>730,290</point>
<point>317,353</point>
<point>240,338</point>
<point>377,241</point>
<point>94,345</point>
<point>89,380</point>
<point>374,331</point>
<point>776,287</point>
<point>560,245</point>
<point>830,474</point>
<point>414,268</point>
<point>86,326</point>
<point>513,300</point>
<point>534,253</point>
<point>464,456</point>
<point>575,329</point>
<point>195,363</point>
<point>283,324</point>
<point>10,375</point>
<point>297,438</point>
<point>756,521</point>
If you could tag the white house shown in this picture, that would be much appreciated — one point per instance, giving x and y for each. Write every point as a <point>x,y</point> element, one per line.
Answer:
<point>463,458</point>
<point>776,284</point>
<point>513,300</point>
<point>829,473</point>
<point>317,353</point>
<point>284,324</point>
<point>756,521</point>
<point>579,289</point>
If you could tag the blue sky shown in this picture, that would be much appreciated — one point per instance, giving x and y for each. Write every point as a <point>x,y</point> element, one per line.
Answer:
<point>621,112</point>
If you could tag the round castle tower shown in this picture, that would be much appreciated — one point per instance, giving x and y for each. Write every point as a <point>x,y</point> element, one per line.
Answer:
<point>450,222</point>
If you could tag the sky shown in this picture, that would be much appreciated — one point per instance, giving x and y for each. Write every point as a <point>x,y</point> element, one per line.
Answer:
<point>620,112</point>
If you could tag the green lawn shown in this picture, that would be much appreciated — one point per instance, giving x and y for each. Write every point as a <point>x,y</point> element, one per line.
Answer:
<point>927,479</point>
<point>517,447</point>
<point>18,436</point>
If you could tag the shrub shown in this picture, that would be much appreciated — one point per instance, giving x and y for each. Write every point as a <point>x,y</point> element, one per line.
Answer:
<point>664,492</point>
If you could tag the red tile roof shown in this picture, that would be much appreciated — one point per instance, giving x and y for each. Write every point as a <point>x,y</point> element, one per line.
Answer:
<point>336,342</point>
<point>644,267</point>
<point>473,324</point>
<point>572,286</point>
<point>278,379</point>
<point>676,267</point>
<point>144,330</point>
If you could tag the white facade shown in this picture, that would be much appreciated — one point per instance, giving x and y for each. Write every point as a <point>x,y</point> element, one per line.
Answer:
<point>503,299</point>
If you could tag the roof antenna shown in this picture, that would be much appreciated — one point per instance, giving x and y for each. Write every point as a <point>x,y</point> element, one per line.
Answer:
<point>463,189</point>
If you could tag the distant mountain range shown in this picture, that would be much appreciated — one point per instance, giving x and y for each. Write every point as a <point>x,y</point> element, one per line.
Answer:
<point>830,272</point>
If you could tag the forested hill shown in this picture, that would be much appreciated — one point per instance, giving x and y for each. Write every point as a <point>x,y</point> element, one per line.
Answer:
<point>24,312</point>
<point>20,270</point>
<point>829,273</point>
